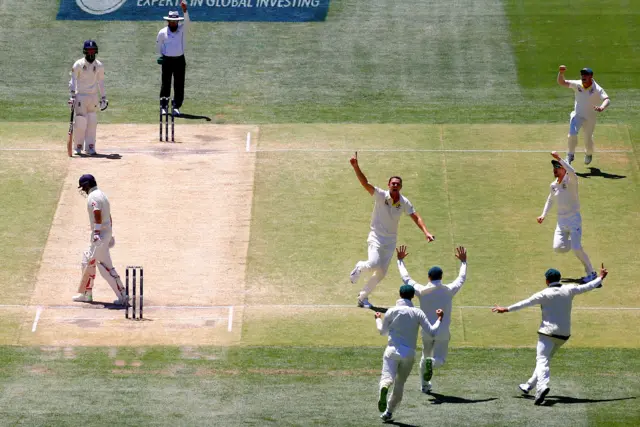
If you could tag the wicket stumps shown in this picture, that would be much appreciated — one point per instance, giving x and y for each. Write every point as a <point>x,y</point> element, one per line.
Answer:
<point>131,272</point>
<point>167,105</point>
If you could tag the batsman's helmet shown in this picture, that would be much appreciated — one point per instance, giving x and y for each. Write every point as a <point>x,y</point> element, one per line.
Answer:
<point>87,180</point>
<point>89,44</point>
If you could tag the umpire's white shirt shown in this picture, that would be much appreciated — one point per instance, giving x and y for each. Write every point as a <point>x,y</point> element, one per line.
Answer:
<point>169,43</point>
<point>97,201</point>
<point>565,196</point>
<point>586,99</point>
<point>555,302</point>
<point>87,78</point>
<point>435,295</point>
<point>401,323</point>
<point>386,217</point>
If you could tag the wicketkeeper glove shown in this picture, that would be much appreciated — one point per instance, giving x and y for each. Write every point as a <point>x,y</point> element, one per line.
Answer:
<point>159,60</point>
<point>104,103</point>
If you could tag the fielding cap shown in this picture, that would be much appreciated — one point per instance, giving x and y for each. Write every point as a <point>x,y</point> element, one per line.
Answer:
<point>407,291</point>
<point>556,164</point>
<point>587,71</point>
<point>552,275</point>
<point>86,179</point>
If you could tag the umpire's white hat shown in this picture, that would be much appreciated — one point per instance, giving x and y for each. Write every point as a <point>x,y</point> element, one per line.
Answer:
<point>173,16</point>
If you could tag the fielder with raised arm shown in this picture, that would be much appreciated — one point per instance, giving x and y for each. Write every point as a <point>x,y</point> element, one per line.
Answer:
<point>101,241</point>
<point>591,99</point>
<point>389,205</point>
<point>87,81</point>
<point>432,296</point>
<point>555,329</point>
<point>568,234</point>
<point>401,324</point>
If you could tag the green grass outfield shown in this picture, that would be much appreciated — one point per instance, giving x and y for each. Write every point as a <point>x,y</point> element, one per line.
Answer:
<point>413,76</point>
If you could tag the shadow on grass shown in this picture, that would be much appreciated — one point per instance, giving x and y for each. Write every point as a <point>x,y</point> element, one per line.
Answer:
<point>598,172</point>
<point>398,423</point>
<point>378,309</point>
<point>193,117</point>
<point>441,398</point>
<point>567,400</point>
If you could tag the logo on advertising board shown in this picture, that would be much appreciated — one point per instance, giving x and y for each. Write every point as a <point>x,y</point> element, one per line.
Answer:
<point>199,10</point>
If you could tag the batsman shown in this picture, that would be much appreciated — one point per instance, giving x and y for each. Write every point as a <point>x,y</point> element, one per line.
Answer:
<point>87,81</point>
<point>100,242</point>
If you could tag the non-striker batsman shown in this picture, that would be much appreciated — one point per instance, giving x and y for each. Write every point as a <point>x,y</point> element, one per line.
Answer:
<point>87,82</point>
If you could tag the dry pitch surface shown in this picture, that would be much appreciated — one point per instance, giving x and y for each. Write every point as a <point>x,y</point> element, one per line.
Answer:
<point>183,217</point>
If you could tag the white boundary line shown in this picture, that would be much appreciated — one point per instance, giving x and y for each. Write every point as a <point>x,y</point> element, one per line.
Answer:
<point>35,321</point>
<point>275,306</point>
<point>305,150</point>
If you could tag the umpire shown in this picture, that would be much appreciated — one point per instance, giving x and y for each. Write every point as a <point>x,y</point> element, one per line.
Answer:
<point>170,47</point>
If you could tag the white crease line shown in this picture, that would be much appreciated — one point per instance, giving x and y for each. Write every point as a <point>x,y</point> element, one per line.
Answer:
<point>35,321</point>
<point>305,150</point>
<point>248,147</point>
<point>230,325</point>
<point>96,306</point>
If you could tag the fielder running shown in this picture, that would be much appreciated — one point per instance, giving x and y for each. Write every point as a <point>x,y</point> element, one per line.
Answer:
<point>87,80</point>
<point>590,100</point>
<point>432,296</point>
<point>401,323</point>
<point>387,210</point>
<point>568,234</point>
<point>555,329</point>
<point>101,241</point>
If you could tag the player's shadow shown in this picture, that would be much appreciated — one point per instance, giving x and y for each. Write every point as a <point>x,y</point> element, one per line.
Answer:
<point>441,398</point>
<point>112,156</point>
<point>568,400</point>
<point>398,423</point>
<point>193,117</point>
<point>107,305</point>
<point>378,309</point>
<point>598,172</point>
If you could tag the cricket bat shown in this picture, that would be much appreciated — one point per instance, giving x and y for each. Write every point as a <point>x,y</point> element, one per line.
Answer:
<point>70,135</point>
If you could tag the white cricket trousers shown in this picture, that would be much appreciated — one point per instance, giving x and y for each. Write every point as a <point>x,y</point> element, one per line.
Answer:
<point>396,368</point>
<point>546,348</point>
<point>85,123</point>
<point>588,125</point>
<point>568,236</point>
<point>379,257</point>
<point>101,255</point>
<point>433,349</point>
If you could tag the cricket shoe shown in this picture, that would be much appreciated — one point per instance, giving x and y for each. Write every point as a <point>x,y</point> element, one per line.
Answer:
<point>78,150</point>
<point>382,400</point>
<point>588,158</point>
<point>592,276</point>
<point>364,303</point>
<point>176,112</point>
<point>122,300</point>
<point>569,158</point>
<point>355,274</point>
<point>91,151</point>
<point>524,388</point>
<point>426,387</point>
<point>386,416</point>
<point>540,395</point>
<point>86,297</point>
<point>163,111</point>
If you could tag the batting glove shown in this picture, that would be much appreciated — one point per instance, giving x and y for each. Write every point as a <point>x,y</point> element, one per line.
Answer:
<point>71,101</point>
<point>104,103</point>
<point>96,240</point>
<point>159,60</point>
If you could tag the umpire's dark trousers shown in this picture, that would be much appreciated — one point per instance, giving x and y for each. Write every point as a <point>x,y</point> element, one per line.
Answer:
<point>173,66</point>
